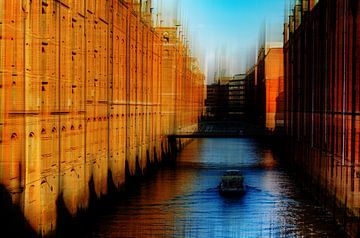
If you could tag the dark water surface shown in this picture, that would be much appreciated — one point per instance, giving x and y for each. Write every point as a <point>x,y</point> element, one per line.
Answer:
<point>184,201</point>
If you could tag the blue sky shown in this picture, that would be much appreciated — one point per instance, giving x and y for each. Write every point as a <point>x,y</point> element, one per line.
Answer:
<point>224,29</point>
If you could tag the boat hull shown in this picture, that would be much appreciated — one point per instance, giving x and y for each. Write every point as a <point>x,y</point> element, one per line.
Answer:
<point>232,183</point>
<point>231,192</point>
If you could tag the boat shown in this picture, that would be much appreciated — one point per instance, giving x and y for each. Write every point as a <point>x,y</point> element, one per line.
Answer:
<point>232,183</point>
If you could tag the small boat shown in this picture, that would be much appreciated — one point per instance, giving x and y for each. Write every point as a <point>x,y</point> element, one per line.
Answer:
<point>232,183</point>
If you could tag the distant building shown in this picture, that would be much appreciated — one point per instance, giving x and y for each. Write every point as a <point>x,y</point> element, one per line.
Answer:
<point>224,80</point>
<point>237,96</point>
<point>250,94</point>
<point>231,97</point>
<point>216,102</point>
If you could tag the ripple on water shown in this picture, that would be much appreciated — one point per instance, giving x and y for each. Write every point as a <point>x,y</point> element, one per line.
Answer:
<point>184,202</point>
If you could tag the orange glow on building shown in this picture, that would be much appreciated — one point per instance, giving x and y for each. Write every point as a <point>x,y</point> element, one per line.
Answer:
<point>268,80</point>
<point>274,85</point>
<point>84,99</point>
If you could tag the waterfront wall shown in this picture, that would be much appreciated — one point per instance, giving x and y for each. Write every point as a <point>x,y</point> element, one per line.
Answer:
<point>322,100</point>
<point>85,99</point>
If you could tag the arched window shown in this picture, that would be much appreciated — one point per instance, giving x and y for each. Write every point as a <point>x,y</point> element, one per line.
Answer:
<point>15,155</point>
<point>31,153</point>
<point>14,136</point>
<point>166,37</point>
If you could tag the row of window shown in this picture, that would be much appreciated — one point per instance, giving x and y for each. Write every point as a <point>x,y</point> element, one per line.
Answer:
<point>14,135</point>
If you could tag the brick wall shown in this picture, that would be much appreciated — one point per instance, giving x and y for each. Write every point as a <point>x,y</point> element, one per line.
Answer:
<point>84,94</point>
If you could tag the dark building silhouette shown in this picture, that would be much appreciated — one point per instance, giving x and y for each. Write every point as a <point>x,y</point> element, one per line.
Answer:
<point>237,96</point>
<point>217,101</point>
<point>251,94</point>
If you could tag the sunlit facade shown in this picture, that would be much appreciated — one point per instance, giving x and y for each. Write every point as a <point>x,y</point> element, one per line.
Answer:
<point>270,87</point>
<point>85,99</point>
<point>267,80</point>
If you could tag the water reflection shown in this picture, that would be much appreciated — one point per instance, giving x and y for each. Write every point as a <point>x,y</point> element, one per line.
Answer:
<point>184,202</point>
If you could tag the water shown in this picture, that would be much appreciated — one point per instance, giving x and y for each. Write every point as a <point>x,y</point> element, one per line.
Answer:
<point>184,201</point>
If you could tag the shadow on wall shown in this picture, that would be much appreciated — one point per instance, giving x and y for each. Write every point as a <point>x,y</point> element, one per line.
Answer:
<point>69,225</point>
<point>14,224</point>
<point>279,115</point>
<point>73,226</point>
<point>12,220</point>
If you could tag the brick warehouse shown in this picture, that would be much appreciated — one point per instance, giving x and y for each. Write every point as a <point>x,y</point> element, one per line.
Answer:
<point>88,92</point>
<point>265,88</point>
<point>270,86</point>
<point>322,100</point>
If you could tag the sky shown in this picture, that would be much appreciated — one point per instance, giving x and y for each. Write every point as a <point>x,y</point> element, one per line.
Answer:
<point>224,34</point>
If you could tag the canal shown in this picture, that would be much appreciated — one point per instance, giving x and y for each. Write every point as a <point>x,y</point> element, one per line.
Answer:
<point>184,202</point>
